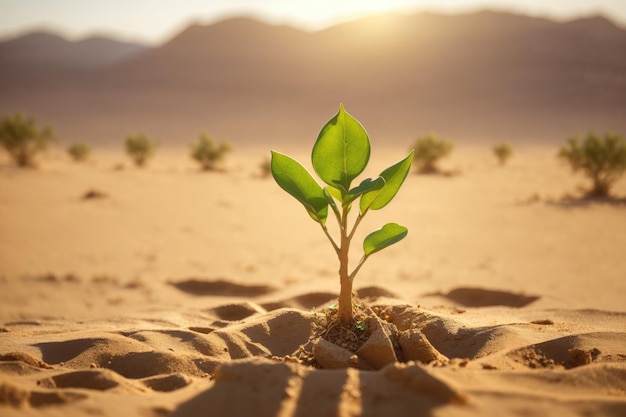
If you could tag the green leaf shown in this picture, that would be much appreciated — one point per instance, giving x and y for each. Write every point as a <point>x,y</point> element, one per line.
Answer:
<point>365,186</point>
<point>383,237</point>
<point>394,177</point>
<point>335,192</point>
<point>342,151</point>
<point>296,180</point>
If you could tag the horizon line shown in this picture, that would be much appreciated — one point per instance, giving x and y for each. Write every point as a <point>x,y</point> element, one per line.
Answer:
<point>114,35</point>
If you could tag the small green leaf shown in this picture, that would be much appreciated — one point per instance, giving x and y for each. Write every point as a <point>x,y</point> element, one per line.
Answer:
<point>394,177</point>
<point>342,151</point>
<point>383,237</point>
<point>361,325</point>
<point>366,185</point>
<point>296,180</point>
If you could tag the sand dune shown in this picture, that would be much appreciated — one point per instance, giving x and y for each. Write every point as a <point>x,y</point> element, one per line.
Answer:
<point>184,293</point>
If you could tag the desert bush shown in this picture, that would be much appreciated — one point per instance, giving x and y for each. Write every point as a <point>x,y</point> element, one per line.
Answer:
<point>79,151</point>
<point>429,149</point>
<point>601,159</point>
<point>140,148</point>
<point>503,152</point>
<point>208,153</point>
<point>265,168</point>
<point>23,139</point>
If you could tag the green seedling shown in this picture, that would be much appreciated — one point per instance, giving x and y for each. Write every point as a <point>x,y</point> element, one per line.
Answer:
<point>340,154</point>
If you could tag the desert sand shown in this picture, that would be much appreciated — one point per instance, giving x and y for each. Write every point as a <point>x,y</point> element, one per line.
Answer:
<point>170,291</point>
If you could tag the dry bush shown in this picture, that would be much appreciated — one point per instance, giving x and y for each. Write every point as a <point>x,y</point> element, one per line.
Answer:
<point>140,148</point>
<point>601,159</point>
<point>208,153</point>
<point>503,152</point>
<point>79,151</point>
<point>429,149</point>
<point>23,139</point>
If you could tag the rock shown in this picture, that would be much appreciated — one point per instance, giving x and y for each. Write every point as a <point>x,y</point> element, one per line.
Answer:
<point>332,356</point>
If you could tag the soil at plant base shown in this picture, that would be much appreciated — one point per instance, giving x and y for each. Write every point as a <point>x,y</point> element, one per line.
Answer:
<point>371,342</point>
<point>329,327</point>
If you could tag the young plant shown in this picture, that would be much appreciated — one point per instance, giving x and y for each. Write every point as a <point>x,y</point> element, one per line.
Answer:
<point>140,148</point>
<point>207,153</point>
<point>603,160</point>
<point>79,151</point>
<point>23,139</point>
<point>339,156</point>
<point>429,149</point>
<point>503,152</point>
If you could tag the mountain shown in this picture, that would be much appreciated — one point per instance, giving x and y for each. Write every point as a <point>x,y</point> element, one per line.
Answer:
<point>481,76</point>
<point>43,59</point>
<point>53,51</point>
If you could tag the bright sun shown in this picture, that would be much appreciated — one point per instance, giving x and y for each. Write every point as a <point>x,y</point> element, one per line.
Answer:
<point>320,13</point>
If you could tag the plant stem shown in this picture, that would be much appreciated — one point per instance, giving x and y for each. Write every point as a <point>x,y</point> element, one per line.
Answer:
<point>344,309</point>
<point>361,262</point>
<point>330,238</point>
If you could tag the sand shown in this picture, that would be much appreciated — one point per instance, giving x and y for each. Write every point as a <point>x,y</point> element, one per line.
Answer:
<point>169,291</point>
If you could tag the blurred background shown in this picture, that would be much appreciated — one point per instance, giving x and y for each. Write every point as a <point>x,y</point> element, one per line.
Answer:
<point>260,75</point>
<point>270,71</point>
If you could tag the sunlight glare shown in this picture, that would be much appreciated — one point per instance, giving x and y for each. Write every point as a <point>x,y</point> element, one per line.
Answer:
<point>323,13</point>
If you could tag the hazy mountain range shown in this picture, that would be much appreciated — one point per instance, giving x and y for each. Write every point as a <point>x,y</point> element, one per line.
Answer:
<point>483,76</point>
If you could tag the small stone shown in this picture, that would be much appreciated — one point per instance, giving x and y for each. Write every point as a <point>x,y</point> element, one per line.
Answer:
<point>331,356</point>
<point>579,357</point>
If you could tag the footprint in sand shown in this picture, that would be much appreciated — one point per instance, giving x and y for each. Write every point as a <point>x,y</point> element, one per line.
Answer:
<point>479,297</point>
<point>221,287</point>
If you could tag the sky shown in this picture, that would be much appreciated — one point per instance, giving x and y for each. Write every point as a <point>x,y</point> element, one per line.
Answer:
<point>155,21</point>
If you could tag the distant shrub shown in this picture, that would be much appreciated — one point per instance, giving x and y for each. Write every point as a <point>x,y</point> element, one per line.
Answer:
<point>601,159</point>
<point>429,149</point>
<point>23,139</point>
<point>207,153</point>
<point>140,148</point>
<point>265,167</point>
<point>79,151</point>
<point>503,152</point>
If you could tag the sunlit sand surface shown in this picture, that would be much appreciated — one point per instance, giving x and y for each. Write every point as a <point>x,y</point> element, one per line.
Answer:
<point>170,289</point>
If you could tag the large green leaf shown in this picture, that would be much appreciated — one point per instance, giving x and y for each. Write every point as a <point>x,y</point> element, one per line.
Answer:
<point>394,177</point>
<point>296,180</point>
<point>383,237</point>
<point>342,151</point>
